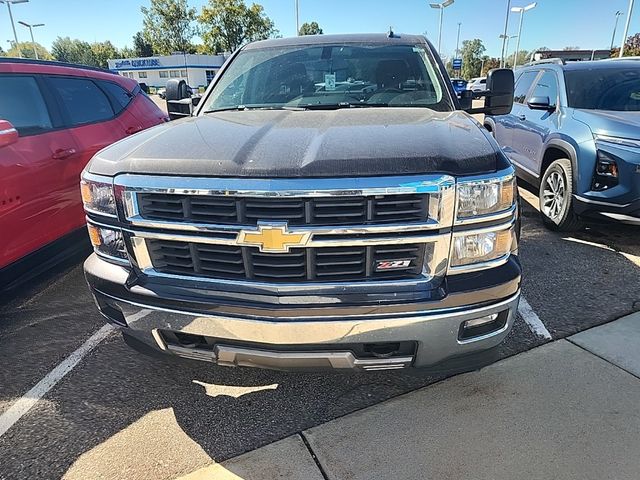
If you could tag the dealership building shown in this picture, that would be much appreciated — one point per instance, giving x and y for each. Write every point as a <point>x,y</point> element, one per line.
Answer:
<point>197,70</point>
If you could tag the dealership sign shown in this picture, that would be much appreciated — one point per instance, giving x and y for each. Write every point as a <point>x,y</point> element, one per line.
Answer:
<point>139,62</point>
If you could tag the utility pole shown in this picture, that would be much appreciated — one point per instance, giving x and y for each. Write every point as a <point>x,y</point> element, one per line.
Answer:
<point>31,27</point>
<point>504,35</point>
<point>15,35</point>
<point>441,7</point>
<point>458,41</point>
<point>626,28</point>
<point>615,27</point>
<point>297,19</point>
<point>521,10</point>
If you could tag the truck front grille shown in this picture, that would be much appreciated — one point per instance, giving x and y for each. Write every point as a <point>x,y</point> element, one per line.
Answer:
<point>300,264</point>
<point>232,210</point>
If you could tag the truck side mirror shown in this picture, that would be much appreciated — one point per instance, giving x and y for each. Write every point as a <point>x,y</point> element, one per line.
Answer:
<point>499,93</point>
<point>179,102</point>
<point>8,134</point>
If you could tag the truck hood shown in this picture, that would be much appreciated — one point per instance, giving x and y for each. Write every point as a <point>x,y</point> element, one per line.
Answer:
<point>281,143</point>
<point>612,123</point>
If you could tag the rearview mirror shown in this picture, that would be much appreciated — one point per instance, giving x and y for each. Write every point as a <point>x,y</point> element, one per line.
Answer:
<point>540,103</point>
<point>180,103</point>
<point>8,134</point>
<point>499,93</point>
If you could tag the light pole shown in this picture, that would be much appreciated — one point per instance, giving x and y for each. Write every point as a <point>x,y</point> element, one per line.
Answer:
<point>520,10</point>
<point>504,34</point>
<point>505,39</point>
<point>626,28</point>
<point>458,41</point>
<point>615,27</point>
<point>441,7</point>
<point>297,19</point>
<point>15,35</point>
<point>31,27</point>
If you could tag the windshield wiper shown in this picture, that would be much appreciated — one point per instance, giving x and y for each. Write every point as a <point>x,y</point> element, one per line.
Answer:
<point>337,106</point>
<point>241,108</point>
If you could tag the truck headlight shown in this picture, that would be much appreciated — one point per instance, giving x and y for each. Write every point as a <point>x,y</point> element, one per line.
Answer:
<point>484,197</point>
<point>97,195</point>
<point>108,242</point>
<point>481,247</point>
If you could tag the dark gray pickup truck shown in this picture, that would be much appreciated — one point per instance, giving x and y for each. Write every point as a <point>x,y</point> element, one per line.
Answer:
<point>328,204</point>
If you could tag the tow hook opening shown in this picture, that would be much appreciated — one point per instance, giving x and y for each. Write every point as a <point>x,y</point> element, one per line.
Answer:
<point>382,350</point>
<point>480,326</point>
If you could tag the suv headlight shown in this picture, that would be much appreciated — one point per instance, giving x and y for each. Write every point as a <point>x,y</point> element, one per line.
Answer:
<point>482,246</point>
<point>477,198</point>
<point>97,195</point>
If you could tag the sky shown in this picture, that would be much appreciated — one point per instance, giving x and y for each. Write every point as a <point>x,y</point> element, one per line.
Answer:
<point>555,24</point>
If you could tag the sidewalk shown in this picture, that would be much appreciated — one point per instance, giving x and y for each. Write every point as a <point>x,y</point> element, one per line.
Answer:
<point>567,410</point>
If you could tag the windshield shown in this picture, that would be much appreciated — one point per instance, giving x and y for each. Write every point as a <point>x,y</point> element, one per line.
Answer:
<point>604,89</point>
<point>330,76</point>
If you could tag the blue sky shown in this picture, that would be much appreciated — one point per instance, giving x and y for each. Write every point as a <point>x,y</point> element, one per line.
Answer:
<point>553,23</point>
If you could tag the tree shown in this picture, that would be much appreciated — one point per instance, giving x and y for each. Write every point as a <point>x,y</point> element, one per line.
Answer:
<point>471,53</point>
<point>310,29</point>
<point>103,51</point>
<point>523,57</point>
<point>27,51</point>
<point>64,49</point>
<point>127,52</point>
<point>141,48</point>
<point>631,47</point>
<point>489,64</point>
<point>2,53</point>
<point>168,26</point>
<point>226,25</point>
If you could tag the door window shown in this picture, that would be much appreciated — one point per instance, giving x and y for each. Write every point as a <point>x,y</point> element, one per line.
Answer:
<point>22,104</point>
<point>83,100</point>
<point>547,86</point>
<point>119,94</point>
<point>523,85</point>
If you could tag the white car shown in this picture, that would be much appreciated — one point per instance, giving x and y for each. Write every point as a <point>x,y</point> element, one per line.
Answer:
<point>478,84</point>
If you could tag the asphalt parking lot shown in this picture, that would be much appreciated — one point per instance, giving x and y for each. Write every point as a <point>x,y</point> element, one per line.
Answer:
<point>119,414</point>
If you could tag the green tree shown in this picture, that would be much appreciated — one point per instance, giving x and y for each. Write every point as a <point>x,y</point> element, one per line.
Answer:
<point>310,29</point>
<point>168,26</point>
<point>631,47</point>
<point>2,52</point>
<point>27,51</point>
<point>103,51</point>
<point>489,64</point>
<point>127,52</point>
<point>471,53</point>
<point>64,49</point>
<point>523,57</point>
<point>141,48</point>
<point>226,25</point>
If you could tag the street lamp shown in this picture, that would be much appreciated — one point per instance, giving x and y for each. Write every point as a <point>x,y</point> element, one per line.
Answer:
<point>31,27</point>
<point>505,39</point>
<point>441,7</point>
<point>615,27</point>
<point>15,35</point>
<point>626,28</point>
<point>297,19</point>
<point>520,10</point>
<point>504,36</point>
<point>458,41</point>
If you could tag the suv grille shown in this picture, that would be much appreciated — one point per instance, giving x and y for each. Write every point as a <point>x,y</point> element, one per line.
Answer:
<point>300,264</point>
<point>337,210</point>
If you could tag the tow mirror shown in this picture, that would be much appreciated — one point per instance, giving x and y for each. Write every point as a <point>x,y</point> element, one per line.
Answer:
<point>180,103</point>
<point>8,134</point>
<point>540,103</point>
<point>498,98</point>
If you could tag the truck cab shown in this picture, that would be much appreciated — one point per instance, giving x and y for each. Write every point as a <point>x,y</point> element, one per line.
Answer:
<point>328,204</point>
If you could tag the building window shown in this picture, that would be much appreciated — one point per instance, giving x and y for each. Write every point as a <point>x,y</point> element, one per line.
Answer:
<point>164,74</point>
<point>142,74</point>
<point>183,73</point>
<point>174,73</point>
<point>210,75</point>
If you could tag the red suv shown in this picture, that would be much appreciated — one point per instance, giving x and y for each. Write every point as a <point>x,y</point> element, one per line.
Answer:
<point>53,118</point>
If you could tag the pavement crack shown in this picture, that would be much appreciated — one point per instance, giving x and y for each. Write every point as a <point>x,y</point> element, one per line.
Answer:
<point>313,455</point>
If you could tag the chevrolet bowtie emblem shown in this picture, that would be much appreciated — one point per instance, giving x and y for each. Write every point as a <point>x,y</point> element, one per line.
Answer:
<point>272,238</point>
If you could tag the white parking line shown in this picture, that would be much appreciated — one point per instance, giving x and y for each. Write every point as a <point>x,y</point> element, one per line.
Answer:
<point>28,400</point>
<point>532,320</point>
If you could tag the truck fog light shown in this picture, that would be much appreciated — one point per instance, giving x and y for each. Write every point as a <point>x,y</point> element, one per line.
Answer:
<point>481,247</point>
<point>107,242</point>
<point>476,322</point>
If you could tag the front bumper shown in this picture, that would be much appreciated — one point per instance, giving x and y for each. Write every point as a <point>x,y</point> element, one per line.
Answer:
<point>605,208</point>
<point>334,337</point>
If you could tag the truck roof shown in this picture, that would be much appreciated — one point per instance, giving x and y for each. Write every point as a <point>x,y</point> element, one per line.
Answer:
<point>381,38</point>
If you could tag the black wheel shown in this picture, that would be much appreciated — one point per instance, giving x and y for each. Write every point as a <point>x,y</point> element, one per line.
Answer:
<point>556,197</point>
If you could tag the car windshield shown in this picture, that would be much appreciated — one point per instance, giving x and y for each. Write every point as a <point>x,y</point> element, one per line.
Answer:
<point>604,89</point>
<point>331,76</point>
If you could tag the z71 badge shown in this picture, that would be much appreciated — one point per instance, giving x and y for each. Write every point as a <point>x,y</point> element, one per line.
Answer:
<point>392,264</point>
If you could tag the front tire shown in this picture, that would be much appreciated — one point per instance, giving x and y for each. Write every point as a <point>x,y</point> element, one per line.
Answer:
<point>556,197</point>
